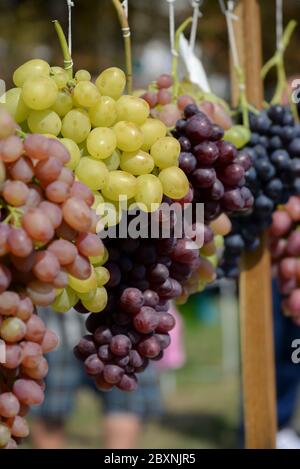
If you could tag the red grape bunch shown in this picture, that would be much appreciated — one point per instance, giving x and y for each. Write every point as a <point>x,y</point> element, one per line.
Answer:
<point>145,274</point>
<point>47,233</point>
<point>285,251</point>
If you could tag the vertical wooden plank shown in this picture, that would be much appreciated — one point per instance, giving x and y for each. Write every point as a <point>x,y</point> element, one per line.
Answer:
<point>255,280</point>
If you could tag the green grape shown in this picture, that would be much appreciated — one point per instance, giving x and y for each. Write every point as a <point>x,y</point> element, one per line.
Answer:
<point>63,103</point>
<point>83,286</point>
<point>175,183</point>
<point>14,104</point>
<point>44,122</point>
<point>98,302</point>
<point>137,163</point>
<point>86,94</point>
<point>101,143</point>
<point>153,130</point>
<point>111,82</point>
<point>100,260</point>
<point>113,161</point>
<point>76,125</point>
<point>66,300</point>
<point>165,152</point>
<point>59,76</point>
<point>119,183</point>
<point>129,136</point>
<point>133,109</point>
<point>104,112</point>
<point>149,192</point>
<point>238,135</point>
<point>32,68</point>
<point>93,173</point>
<point>39,93</point>
<point>74,151</point>
<point>83,75</point>
<point>102,276</point>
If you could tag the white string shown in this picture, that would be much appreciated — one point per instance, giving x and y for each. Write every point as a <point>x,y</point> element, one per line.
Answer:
<point>172,25</point>
<point>279,22</point>
<point>230,17</point>
<point>125,6</point>
<point>70,5</point>
<point>196,15</point>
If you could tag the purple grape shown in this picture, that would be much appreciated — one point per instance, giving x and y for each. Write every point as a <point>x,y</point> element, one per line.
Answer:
<point>166,323</point>
<point>135,359</point>
<point>158,274</point>
<point>122,361</point>
<point>207,153</point>
<point>227,151</point>
<point>149,347</point>
<point>217,133</point>
<point>233,200</point>
<point>185,144</point>
<point>105,354</point>
<point>187,162</point>
<point>151,298</point>
<point>93,365</point>
<point>191,110</point>
<point>231,174</point>
<point>102,335</point>
<point>86,346</point>
<point>146,320</point>
<point>131,300</point>
<point>198,129</point>
<point>120,345</point>
<point>217,190</point>
<point>138,272</point>
<point>164,340</point>
<point>113,374</point>
<point>128,383</point>
<point>204,177</point>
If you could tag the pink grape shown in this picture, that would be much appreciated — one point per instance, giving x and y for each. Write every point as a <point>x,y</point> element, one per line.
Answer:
<point>77,214</point>
<point>13,356</point>
<point>53,212</point>
<point>57,192</point>
<point>9,303</point>
<point>48,171</point>
<point>164,81</point>
<point>164,97</point>
<point>57,150</point>
<point>19,427</point>
<point>151,98</point>
<point>22,170</point>
<point>37,225</point>
<point>81,191</point>
<point>64,251</point>
<point>12,330</point>
<point>19,243</point>
<point>5,277</point>
<point>9,405</point>
<point>46,266</point>
<point>4,232</point>
<point>25,309</point>
<point>90,245</point>
<point>15,193</point>
<point>50,341</point>
<point>28,392</point>
<point>11,149</point>
<point>39,372</point>
<point>41,294</point>
<point>66,176</point>
<point>37,146</point>
<point>36,329</point>
<point>281,224</point>
<point>32,354</point>
<point>184,100</point>
<point>80,268</point>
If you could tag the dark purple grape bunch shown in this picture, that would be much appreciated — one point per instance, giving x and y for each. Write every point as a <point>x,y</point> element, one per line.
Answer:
<point>275,151</point>
<point>215,169</point>
<point>145,275</point>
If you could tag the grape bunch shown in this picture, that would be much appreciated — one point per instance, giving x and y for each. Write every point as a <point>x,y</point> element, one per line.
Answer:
<point>170,109</point>
<point>284,238</point>
<point>116,148</point>
<point>22,375</point>
<point>144,275</point>
<point>275,151</point>
<point>215,169</point>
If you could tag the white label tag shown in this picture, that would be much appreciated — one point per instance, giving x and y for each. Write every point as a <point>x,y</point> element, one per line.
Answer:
<point>193,65</point>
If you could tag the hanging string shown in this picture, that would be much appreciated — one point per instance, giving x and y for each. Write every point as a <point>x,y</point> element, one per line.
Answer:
<point>279,23</point>
<point>230,17</point>
<point>70,5</point>
<point>172,26</point>
<point>196,4</point>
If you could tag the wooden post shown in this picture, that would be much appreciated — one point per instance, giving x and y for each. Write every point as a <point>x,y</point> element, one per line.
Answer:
<point>255,280</point>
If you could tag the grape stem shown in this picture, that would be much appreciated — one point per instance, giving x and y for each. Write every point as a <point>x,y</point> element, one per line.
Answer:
<point>127,43</point>
<point>68,61</point>
<point>179,31</point>
<point>21,134</point>
<point>278,61</point>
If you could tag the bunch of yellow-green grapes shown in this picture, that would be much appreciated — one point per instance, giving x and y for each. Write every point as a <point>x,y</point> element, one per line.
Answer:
<point>116,147</point>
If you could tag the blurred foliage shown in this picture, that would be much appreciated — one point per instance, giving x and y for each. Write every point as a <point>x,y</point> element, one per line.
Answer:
<point>26,31</point>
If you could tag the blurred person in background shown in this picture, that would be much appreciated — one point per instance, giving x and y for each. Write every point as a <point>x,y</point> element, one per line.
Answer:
<point>124,413</point>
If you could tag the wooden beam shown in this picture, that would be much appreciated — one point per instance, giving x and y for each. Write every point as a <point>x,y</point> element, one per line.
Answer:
<point>255,280</point>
